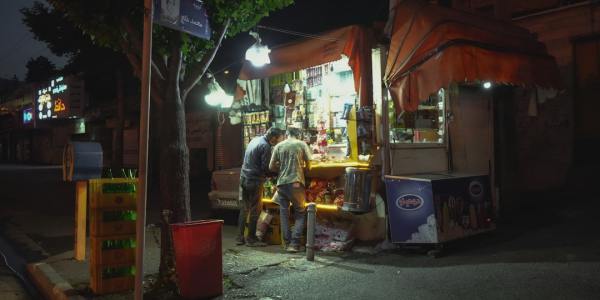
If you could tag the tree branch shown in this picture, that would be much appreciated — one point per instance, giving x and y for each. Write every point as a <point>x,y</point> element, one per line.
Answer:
<point>157,69</point>
<point>199,69</point>
<point>160,63</point>
<point>134,60</point>
<point>135,41</point>
<point>136,64</point>
<point>135,38</point>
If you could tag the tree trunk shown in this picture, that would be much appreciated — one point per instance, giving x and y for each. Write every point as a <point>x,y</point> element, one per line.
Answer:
<point>174,161</point>
<point>174,158</point>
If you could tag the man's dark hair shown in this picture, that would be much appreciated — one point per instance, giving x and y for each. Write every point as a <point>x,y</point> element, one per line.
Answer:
<point>294,132</point>
<point>274,132</point>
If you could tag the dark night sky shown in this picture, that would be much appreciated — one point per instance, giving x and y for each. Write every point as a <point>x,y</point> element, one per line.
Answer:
<point>17,43</point>
<point>308,16</point>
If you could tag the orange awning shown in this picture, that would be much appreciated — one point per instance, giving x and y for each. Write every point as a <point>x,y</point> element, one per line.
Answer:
<point>433,46</point>
<point>353,41</point>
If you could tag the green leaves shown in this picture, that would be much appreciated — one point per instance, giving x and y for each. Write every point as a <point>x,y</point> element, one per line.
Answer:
<point>102,23</point>
<point>244,14</point>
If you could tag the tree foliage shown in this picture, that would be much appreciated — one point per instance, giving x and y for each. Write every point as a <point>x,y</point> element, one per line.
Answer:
<point>39,69</point>
<point>118,24</point>
<point>96,63</point>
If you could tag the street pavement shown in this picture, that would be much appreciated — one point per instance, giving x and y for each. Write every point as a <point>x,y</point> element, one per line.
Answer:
<point>544,252</point>
<point>10,287</point>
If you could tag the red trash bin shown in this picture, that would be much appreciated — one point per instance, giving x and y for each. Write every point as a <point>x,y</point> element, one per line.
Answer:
<point>198,258</point>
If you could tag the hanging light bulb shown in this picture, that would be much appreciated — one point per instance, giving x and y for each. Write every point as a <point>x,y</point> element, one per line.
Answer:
<point>487,85</point>
<point>216,95</point>
<point>258,54</point>
<point>286,88</point>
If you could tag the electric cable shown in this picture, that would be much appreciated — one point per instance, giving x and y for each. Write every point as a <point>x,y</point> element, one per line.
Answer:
<point>307,35</point>
<point>17,274</point>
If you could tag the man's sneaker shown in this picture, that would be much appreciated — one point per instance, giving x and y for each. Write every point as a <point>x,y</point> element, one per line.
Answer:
<point>239,241</point>
<point>293,248</point>
<point>255,243</point>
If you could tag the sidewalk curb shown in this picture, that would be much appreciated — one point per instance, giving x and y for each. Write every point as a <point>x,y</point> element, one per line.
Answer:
<point>17,236</point>
<point>50,283</point>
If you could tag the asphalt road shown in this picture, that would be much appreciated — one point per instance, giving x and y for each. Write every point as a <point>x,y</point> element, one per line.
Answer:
<point>10,288</point>
<point>549,251</point>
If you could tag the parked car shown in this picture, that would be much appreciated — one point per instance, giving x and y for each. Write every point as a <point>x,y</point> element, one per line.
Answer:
<point>224,192</point>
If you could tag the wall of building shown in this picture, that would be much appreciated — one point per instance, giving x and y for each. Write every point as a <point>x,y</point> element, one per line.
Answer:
<point>556,28</point>
<point>560,29</point>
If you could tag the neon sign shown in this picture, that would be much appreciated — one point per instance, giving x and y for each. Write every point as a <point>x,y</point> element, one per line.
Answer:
<point>59,105</point>
<point>27,115</point>
<point>50,99</point>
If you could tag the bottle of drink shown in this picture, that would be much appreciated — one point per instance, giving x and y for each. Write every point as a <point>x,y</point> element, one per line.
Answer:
<point>123,175</point>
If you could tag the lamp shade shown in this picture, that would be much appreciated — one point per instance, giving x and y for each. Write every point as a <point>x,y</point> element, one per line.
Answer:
<point>216,95</point>
<point>258,54</point>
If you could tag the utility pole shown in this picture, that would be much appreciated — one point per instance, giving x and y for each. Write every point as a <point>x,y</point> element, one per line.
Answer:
<point>143,152</point>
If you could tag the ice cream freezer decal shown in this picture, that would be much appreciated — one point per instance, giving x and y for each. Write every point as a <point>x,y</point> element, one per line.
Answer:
<point>434,208</point>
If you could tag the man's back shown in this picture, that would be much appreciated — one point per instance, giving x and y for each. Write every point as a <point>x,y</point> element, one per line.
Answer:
<point>256,159</point>
<point>291,156</point>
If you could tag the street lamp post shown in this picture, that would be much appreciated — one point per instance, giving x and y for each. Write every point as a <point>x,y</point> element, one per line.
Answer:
<point>143,152</point>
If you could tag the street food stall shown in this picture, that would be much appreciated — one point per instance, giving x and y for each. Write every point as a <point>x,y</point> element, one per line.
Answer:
<point>323,86</point>
<point>452,77</point>
<point>441,134</point>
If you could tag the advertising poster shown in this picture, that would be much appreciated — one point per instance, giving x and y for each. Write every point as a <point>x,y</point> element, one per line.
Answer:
<point>411,211</point>
<point>434,208</point>
<point>463,206</point>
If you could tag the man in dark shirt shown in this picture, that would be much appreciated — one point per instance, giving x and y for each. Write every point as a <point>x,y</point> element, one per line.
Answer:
<point>252,176</point>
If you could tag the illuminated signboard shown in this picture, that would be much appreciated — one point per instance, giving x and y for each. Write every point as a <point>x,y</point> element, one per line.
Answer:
<point>59,105</point>
<point>27,115</point>
<point>51,99</point>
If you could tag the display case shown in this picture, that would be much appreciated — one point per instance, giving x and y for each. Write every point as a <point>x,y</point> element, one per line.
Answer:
<point>425,125</point>
<point>255,123</point>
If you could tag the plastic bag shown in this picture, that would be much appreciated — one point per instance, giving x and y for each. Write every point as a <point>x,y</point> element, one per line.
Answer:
<point>262,225</point>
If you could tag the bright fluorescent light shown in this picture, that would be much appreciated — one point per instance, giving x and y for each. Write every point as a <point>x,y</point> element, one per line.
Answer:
<point>258,54</point>
<point>487,85</point>
<point>217,96</point>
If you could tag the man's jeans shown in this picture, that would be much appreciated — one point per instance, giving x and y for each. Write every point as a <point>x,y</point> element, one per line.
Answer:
<point>250,192</point>
<point>291,193</point>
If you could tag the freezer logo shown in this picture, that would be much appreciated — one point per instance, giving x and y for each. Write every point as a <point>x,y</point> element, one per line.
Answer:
<point>409,202</point>
<point>476,190</point>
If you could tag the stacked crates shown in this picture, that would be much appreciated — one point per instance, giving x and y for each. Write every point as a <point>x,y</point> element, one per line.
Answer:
<point>112,234</point>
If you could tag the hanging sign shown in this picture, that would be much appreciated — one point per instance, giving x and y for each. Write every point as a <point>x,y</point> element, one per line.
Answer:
<point>188,16</point>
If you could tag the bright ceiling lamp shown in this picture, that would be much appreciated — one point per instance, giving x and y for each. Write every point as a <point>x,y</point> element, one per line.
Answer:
<point>258,54</point>
<point>487,85</point>
<point>216,95</point>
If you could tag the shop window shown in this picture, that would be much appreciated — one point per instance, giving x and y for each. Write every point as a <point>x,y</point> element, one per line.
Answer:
<point>318,100</point>
<point>426,125</point>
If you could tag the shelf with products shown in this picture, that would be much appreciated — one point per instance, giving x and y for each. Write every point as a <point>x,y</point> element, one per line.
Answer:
<point>426,125</point>
<point>255,124</point>
<point>257,117</point>
<point>322,101</point>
